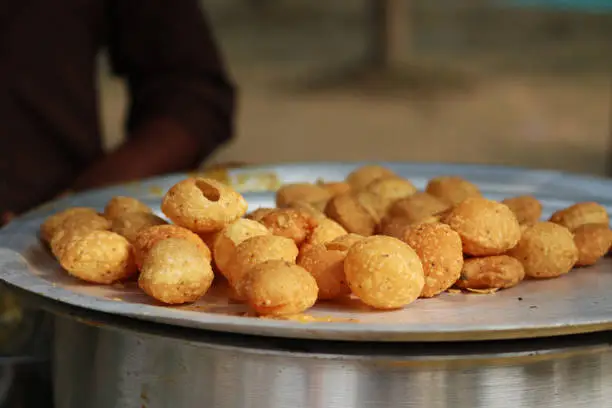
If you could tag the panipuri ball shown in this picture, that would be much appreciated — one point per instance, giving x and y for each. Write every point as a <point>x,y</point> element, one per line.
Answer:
<point>313,210</point>
<point>380,194</point>
<point>231,236</point>
<point>306,192</point>
<point>350,214</point>
<point>326,265</point>
<point>259,213</point>
<point>50,226</point>
<point>335,187</point>
<point>593,242</point>
<point>120,205</point>
<point>452,190</point>
<point>278,288</point>
<point>486,227</point>
<point>129,224</point>
<point>395,227</point>
<point>290,223</point>
<point>527,209</point>
<point>440,250</point>
<point>148,237</point>
<point>491,272</point>
<point>258,249</point>
<point>344,242</point>
<point>546,250</point>
<point>98,257</point>
<point>384,272</point>
<point>327,230</point>
<point>359,178</point>
<point>203,205</point>
<point>175,271</point>
<point>418,207</point>
<point>579,214</point>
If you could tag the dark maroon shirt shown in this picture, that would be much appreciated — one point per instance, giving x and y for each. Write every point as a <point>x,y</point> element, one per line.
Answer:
<point>49,125</point>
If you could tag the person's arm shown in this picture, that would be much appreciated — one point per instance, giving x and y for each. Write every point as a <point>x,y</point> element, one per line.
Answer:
<point>182,102</point>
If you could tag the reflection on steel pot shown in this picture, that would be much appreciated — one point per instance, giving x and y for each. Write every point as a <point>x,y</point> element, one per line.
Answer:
<point>108,366</point>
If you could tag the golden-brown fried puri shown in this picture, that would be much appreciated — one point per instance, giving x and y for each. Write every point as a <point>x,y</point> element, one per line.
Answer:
<point>203,205</point>
<point>491,272</point>
<point>310,193</point>
<point>256,250</point>
<point>384,272</point>
<point>326,231</point>
<point>359,178</point>
<point>277,288</point>
<point>348,212</point>
<point>175,271</point>
<point>486,227</point>
<point>546,250</point>
<point>148,237</point>
<point>327,267</point>
<point>579,214</point>
<point>418,207</point>
<point>52,223</point>
<point>314,210</point>
<point>440,251</point>
<point>527,209</point>
<point>226,241</point>
<point>259,213</point>
<point>380,194</point>
<point>335,187</point>
<point>452,189</point>
<point>290,223</point>
<point>593,242</point>
<point>120,205</point>
<point>344,242</point>
<point>98,257</point>
<point>394,227</point>
<point>131,223</point>
<point>76,224</point>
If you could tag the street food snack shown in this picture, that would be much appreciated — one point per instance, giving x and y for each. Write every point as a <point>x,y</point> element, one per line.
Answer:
<point>290,223</point>
<point>440,251</point>
<point>546,250</point>
<point>359,178</point>
<point>130,224</point>
<point>120,205</point>
<point>486,227</point>
<point>335,187</point>
<point>50,226</point>
<point>306,192</point>
<point>203,205</point>
<point>380,194</point>
<point>384,272</point>
<point>259,213</point>
<point>593,242</point>
<point>277,288</point>
<point>175,271</point>
<point>325,262</point>
<point>491,272</point>
<point>326,231</point>
<point>418,207</point>
<point>147,238</point>
<point>346,210</point>
<point>527,209</point>
<point>452,189</point>
<point>98,257</point>
<point>579,214</point>
<point>226,240</point>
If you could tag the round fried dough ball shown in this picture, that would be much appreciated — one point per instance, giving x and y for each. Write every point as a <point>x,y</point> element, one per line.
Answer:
<point>344,242</point>
<point>593,242</point>
<point>226,241</point>
<point>50,226</point>
<point>256,250</point>
<point>581,213</point>
<point>389,190</point>
<point>350,214</point>
<point>491,272</point>
<point>527,209</point>
<point>440,251</point>
<point>418,207</point>
<point>148,237</point>
<point>129,224</point>
<point>384,272</point>
<point>326,231</point>
<point>175,271</point>
<point>310,193</point>
<point>335,187</point>
<point>359,178</point>
<point>203,205</point>
<point>452,189</point>
<point>327,267</point>
<point>546,250</point>
<point>290,223</point>
<point>395,227</point>
<point>259,213</point>
<point>277,288</point>
<point>486,227</point>
<point>98,257</point>
<point>314,211</point>
<point>119,205</point>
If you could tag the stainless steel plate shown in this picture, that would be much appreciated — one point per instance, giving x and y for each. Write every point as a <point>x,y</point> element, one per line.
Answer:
<point>576,303</point>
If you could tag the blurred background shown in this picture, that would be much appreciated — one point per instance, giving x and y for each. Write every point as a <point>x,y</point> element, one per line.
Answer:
<point>517,82</point>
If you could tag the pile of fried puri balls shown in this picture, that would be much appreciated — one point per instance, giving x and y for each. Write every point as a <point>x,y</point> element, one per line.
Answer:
<point>372,236</point>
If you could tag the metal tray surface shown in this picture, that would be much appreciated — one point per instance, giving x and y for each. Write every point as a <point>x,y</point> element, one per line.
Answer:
<point>577,303</point>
